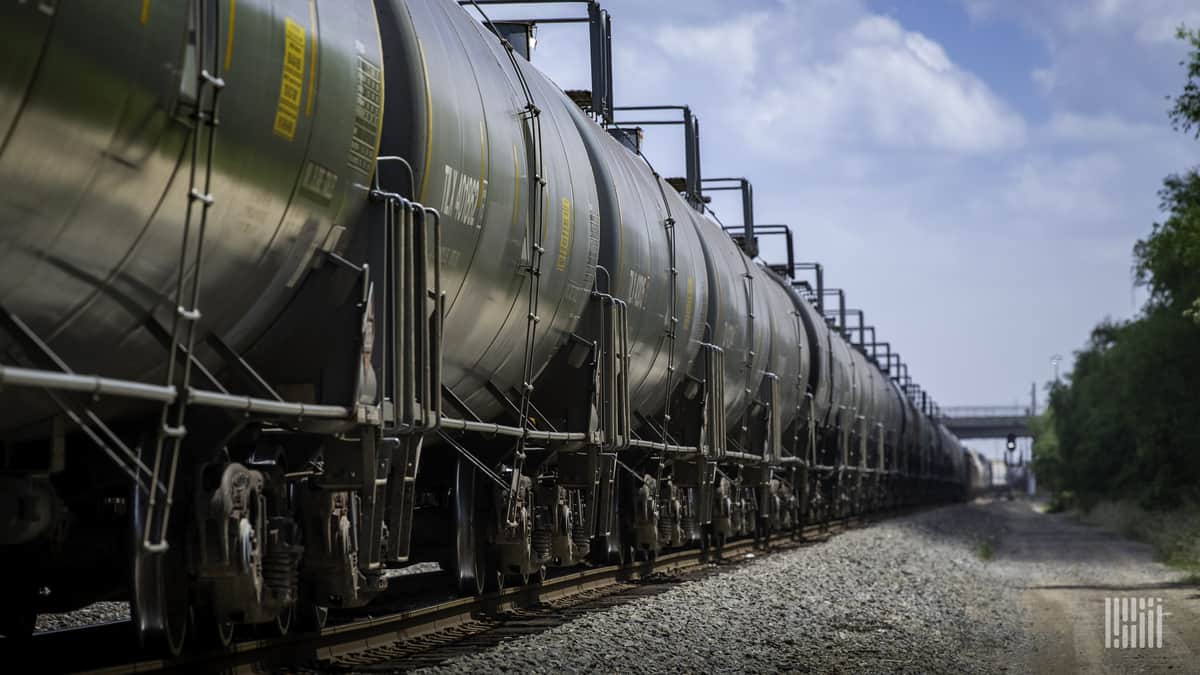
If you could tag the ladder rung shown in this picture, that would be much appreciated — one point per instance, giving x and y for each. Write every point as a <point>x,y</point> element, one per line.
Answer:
<point>201,196</point>
<point>188,314</point>
<point>174,432</point>
<point>216,82</point>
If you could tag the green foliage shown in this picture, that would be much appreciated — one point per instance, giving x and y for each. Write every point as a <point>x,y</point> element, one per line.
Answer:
<point>1168,261</point>
<point>1127,422</point>
<point>985,550</point>
<point>1174,533</point>
<point>1185,115</point>
<point>1047,456</point>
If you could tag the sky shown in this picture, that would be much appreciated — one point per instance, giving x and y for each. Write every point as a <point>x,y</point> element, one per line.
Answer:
<point>974,173</point>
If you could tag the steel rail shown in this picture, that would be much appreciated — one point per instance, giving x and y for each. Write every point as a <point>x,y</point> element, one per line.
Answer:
<point>359,635</point>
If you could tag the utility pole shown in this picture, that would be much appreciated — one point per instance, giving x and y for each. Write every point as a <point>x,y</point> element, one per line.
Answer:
<point>1033,399</point>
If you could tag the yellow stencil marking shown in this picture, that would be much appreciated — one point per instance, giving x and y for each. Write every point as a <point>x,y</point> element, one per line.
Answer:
<point>616,280</point>
<point>689,299</point>
<point>312,64</point>
<point>145,15</point>
<point>482,166</point>
<point>545,213</point>
<point>564,240</point>
<point>379,60</point>
<point>516,184</point>
<point>292,81</point>
<point>428,124</point>
<point>229,34</point>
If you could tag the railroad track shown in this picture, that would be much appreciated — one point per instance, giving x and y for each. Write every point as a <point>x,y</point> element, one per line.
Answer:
<point>423,635</point>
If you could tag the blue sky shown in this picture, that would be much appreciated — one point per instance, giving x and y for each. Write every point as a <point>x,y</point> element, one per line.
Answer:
<point>973,172</point>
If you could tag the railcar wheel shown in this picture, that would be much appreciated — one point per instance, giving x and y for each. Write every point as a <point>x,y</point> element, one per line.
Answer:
<point>282,625</point>
<point>470,561</point>
<point>159,587</point>
<point>612,549</point>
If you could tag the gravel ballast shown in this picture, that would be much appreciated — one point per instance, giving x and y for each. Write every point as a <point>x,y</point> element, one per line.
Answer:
<point>100,612</point>
<point>911,595</point>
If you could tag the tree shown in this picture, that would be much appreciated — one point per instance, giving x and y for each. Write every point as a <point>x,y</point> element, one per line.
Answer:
<point>1185,114</point>
<point>1168,261</point>
<point>1127,422</point>
<point>1047,460</point>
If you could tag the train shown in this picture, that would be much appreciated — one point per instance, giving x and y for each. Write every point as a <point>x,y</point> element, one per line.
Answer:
<point>980,473</point>
<point>294,293</point>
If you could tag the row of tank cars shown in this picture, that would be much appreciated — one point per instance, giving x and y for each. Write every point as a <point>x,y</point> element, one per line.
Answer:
<point>980,474</point>
<point>294,292</point>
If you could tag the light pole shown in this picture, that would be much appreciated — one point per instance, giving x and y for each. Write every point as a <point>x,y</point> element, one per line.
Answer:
<point>1054,361</point>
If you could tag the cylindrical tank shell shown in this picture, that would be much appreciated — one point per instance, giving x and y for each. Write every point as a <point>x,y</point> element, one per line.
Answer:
<point>737,315</point>
<point>930,442</point>
<point>893,419</point>
<point>865,374</point>
<point>95,166</point>
<point>642,221</point>
<point>463,129</point>
<point>817,338</point>
<point>789,349</point>
<point>845,392</point>
<point>952,451</point>
<point>906,430</point>
<point>884,415</point>
<point>918,438</point>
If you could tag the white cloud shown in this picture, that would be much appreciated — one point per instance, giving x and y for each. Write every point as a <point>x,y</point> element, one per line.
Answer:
<point>882,85</point>
<point>728,48</point>
<point>892,161</point>
<point>1149,21</point>
<point>1104,129</point>
<point>1044,78</point>
<point>1161,29</point>
<point>1060,191</point>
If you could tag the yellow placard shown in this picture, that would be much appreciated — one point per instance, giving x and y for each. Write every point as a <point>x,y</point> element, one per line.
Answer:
<point>292,81</point>
<point>564,241</point>
<point>689,300</point>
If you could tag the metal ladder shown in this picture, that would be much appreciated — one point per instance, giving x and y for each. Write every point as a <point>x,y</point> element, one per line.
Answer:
<point>171,429</point>
<point>414,380</point>
<point>531,117</point>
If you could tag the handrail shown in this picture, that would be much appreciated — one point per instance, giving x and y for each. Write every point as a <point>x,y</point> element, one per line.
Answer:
<point>12,376</point>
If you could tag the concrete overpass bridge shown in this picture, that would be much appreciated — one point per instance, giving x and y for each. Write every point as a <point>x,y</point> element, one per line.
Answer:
<point>996,421</point>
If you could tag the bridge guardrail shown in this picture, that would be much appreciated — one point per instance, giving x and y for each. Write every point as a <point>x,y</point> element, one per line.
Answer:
<point>986,411</point>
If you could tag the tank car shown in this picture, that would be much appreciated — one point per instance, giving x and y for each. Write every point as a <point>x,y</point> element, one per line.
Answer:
<point>979,473</point>
<point>142,245</point>
<point>295,293</point>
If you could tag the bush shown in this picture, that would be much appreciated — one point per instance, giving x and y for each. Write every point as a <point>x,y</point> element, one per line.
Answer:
<point>1174,534</point>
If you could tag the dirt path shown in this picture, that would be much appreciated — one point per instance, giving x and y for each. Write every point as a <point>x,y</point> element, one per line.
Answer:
<point>1066,570</point>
